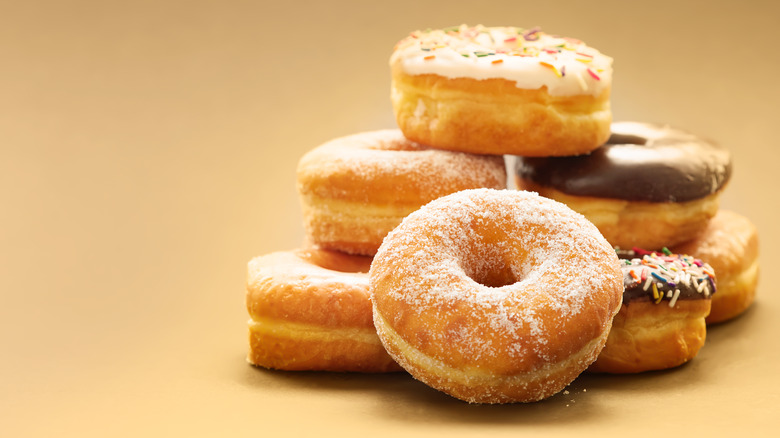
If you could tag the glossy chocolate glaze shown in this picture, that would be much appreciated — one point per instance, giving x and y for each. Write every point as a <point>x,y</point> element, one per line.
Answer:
<point>659,277</point>
<point>640,162</point>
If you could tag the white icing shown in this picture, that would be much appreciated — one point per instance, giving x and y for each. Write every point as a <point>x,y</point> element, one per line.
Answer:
<point>507,53</point>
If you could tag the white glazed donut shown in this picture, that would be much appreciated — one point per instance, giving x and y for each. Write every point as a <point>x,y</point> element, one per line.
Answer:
<point>501,90</point>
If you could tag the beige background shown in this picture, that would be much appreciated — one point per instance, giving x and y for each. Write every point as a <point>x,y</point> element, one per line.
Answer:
<point>148,151</point>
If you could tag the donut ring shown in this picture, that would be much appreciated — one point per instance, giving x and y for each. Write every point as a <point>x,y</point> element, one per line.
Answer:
<point>355,189</point>
<point>310,310</point>
<point>501,90</point>
<point>495,296</point>
<point>650,186</point>
<point>661,322</point>
<point>730,244</point>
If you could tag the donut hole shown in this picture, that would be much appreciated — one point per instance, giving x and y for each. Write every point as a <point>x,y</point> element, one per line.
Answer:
<point>336,261</point>
<point>616,138</point>
<point>395,145</point>
<point>494,278</point>
<point>489,267</point>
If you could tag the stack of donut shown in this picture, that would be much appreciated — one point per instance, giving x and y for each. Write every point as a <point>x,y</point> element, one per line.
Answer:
<point>419,258</point>
<point>310,307</point>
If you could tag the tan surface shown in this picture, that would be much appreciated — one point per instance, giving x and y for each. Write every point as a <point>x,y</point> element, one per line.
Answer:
<point>149,151</point>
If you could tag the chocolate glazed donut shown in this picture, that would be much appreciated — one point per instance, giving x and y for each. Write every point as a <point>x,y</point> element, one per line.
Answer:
<point>661,323</point>
<point>649,186</point>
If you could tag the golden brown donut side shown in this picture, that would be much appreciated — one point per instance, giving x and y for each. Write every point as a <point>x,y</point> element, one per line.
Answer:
<point>309,310</point>
<point>355,189</point>
<point>481,295</point>
<point>475,386</point>
<point>628,224</point>
<point>494,116</point>
<point>646,336</point>
<point>729,243</point>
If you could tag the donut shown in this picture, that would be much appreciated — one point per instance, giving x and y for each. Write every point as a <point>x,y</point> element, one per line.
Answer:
<point>309,310</point>
<point>501,90</point>
<point>355,189</point>
<point>650,186</point>
<point>730,244</point>
<point>495,296</point>
<point>661,322</point>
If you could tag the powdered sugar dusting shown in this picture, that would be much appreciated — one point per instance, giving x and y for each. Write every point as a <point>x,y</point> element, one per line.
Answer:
<point>286,267</point>
<point>521,263</point>
<point>727,236</point>
<point>383,154</point>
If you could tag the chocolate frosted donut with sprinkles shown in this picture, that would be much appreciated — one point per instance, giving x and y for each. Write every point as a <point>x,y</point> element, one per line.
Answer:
<point>501,90</point>
<point>649,186</point>
<point>661,323</point>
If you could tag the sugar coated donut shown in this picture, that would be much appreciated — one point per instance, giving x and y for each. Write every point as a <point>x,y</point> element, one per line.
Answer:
<point>355,189</point>
<point>310,310</point>
<point>661,322</point>
<point>730,244</point>
<point>495,296</point>
<point>650,186</point>
<point>501,90</point>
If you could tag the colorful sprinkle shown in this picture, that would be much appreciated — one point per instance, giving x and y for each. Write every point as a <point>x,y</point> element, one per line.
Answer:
<point>551,67</point>
<point>658,277</point>
<point>531,34</point>
<point>658,297</point>
<point>673,301</point>
<point>594,75</point>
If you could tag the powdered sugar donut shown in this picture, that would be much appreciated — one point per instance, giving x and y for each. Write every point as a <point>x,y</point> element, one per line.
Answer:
<point>309,310</point>
<point>501,90</point>
<point>355,189</point>
<point>495,296</point>
<point>729,243</point>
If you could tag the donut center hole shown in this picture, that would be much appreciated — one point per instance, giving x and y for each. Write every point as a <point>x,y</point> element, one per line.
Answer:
<point>344,263</point>
<point>491,272</point>
<point>398,146</point>
<point>627,139</point>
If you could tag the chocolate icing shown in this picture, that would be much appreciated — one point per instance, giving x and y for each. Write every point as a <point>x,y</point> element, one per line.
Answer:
<point>639,162</point>
<point>669,273</point>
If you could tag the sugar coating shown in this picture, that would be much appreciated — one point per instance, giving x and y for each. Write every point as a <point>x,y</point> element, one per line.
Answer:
<point>726,236</point>
<point>378,155</point>
<point>291,267</point>
<point>547,254</point>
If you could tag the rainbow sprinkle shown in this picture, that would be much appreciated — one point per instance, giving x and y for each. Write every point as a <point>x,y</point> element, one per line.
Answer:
<point>666,275</point>
<point>551,67</point>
